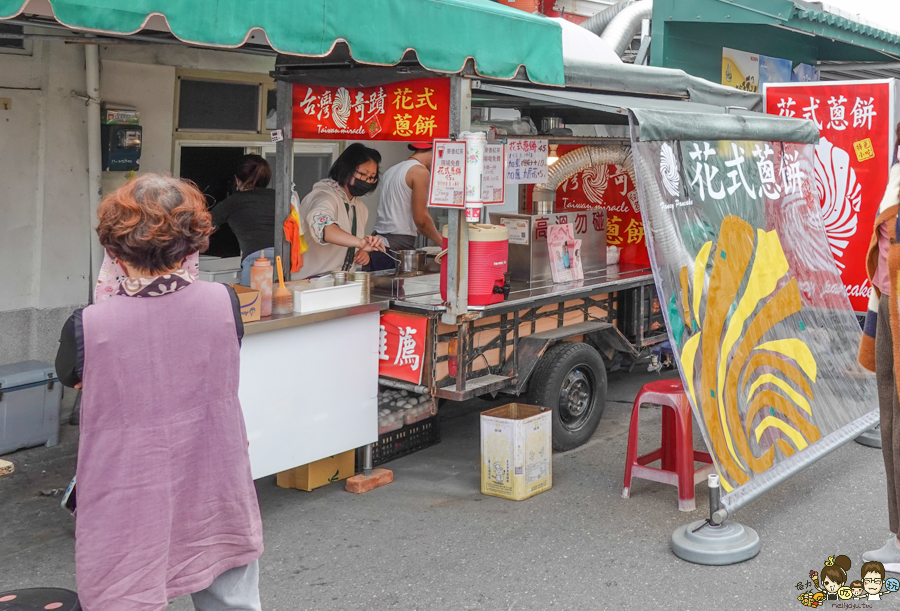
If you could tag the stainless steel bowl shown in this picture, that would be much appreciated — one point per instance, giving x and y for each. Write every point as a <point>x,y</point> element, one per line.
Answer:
<point>550,123</point>
<point>364,278</point>
<point>411,261</point>
<point>543,208</point>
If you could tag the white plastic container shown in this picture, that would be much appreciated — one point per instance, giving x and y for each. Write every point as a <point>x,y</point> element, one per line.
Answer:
<point>219,264</point>
<point>321,282</point>
<point>475,143</point>
<point>327,298</point>
<point>225,276</point>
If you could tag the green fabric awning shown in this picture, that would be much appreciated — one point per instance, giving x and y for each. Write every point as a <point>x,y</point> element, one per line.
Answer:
<point>443,33</point>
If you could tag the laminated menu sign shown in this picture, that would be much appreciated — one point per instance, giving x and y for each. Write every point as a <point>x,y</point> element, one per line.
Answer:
<point>493,185</point>
<point>448,174</point>
<point>518,230</point>
<point>526,162</point>
<point>401,346</point>
<point>415,109</point>
<point>564,252</point>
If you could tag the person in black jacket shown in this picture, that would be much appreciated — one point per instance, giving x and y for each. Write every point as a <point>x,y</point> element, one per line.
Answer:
<point>250,212</point>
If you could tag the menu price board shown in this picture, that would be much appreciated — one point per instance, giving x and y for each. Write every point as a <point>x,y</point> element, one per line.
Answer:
<point>448,175</point>
<point>526,162</point>
<point>416,109</point>
<point>493,185</point>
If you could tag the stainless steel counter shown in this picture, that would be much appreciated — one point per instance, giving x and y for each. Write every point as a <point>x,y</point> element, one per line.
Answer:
<point>613,278</point>
<point>427,296</point>
<point>286,321</point>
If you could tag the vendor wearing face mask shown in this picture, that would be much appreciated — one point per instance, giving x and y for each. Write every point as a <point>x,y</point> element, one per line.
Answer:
<point>335,216</point>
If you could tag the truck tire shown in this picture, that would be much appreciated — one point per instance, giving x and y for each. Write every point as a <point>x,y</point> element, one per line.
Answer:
<point>571,380</point>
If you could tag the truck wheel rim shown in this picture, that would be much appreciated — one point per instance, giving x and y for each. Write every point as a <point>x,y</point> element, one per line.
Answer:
<point>576,402</point>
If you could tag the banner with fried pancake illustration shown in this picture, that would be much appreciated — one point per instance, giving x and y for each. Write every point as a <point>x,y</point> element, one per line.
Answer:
<point>762,330</point>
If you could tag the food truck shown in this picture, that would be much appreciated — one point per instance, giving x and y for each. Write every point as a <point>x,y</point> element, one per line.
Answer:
<point>310,380</point>
<point>549,341</point>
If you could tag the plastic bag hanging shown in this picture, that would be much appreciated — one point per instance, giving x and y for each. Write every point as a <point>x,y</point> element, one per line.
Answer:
<point>293,233</point>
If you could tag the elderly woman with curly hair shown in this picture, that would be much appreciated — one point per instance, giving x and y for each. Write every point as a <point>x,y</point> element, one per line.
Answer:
<point>166,502</point>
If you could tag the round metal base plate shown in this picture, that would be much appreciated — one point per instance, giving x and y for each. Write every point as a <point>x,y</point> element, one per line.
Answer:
<point>871,438</point>
<point>728,543</point>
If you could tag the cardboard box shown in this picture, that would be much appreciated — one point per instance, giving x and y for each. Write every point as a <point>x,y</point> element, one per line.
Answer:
<point>317,474</point>
<point>516,451</point>
<point>250,306</point>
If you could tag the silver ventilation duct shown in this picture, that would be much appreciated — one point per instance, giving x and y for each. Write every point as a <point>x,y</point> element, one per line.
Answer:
<point>598,22</point>
<point>626,25</point>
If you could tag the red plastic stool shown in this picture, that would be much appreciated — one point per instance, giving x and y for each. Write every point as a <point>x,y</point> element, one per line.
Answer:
<point>676,453</point>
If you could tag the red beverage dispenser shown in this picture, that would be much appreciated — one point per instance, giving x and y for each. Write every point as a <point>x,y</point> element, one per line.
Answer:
<point>488,256</point>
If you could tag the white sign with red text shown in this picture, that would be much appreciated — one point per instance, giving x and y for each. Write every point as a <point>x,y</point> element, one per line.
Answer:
<point>493,185</point>
<point>448,175</point>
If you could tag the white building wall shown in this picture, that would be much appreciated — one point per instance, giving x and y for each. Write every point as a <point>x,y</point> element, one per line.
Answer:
<point>45,220</point>
<point>46,224</point>
<point>44,214</point>
<point>151,89</point>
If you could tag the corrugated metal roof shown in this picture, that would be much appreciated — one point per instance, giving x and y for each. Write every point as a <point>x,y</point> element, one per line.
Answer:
<point>851,71</point>
<point>806,13</point>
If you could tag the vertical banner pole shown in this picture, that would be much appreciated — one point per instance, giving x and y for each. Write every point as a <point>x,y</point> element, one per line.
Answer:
<point>284,170</point>
<point>458,232</point>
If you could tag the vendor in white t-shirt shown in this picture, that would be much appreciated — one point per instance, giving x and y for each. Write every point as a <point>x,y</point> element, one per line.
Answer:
<point>403,205</point>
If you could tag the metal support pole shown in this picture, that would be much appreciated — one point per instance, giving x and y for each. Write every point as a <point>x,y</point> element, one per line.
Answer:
<point>458,228</point>
<point>457,267</point>
<point>284,170</point>
<point>714,494</point>
<point>367,460</point>
<point>462,350</point>
<point>95,161</point>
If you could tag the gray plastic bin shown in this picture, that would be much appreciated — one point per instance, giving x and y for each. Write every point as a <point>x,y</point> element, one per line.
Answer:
<point>30,397</point>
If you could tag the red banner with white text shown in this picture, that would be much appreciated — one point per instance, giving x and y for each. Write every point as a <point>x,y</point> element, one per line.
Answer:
<point>853,160</point>
<point>417,109</point>
<point>401,346</point>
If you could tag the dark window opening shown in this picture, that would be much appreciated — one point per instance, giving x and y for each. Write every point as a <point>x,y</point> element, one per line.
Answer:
<point>218,106</point>
<point>12,36</point>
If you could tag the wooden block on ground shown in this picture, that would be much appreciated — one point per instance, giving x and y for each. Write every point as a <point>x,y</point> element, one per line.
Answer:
<point>362,483</point>
<point>6,467</point>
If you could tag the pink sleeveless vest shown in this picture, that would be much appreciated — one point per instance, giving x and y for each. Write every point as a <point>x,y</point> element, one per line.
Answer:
<point>166,502</point>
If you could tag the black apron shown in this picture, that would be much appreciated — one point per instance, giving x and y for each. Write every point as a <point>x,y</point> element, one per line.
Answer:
<point>351,252</point>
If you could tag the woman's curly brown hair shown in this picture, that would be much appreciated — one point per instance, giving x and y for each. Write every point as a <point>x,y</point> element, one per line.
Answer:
<point>154,222</point>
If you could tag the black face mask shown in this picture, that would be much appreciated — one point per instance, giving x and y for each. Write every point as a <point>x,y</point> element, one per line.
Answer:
<point>358,188</point>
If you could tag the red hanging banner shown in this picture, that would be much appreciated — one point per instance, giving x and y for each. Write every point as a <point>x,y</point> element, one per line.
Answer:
<point>417,109</point>
<point>401,346</point>
<point>853,160</point>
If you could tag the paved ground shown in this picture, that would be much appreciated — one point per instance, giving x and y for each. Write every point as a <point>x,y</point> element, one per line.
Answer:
<point>430,540</point>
